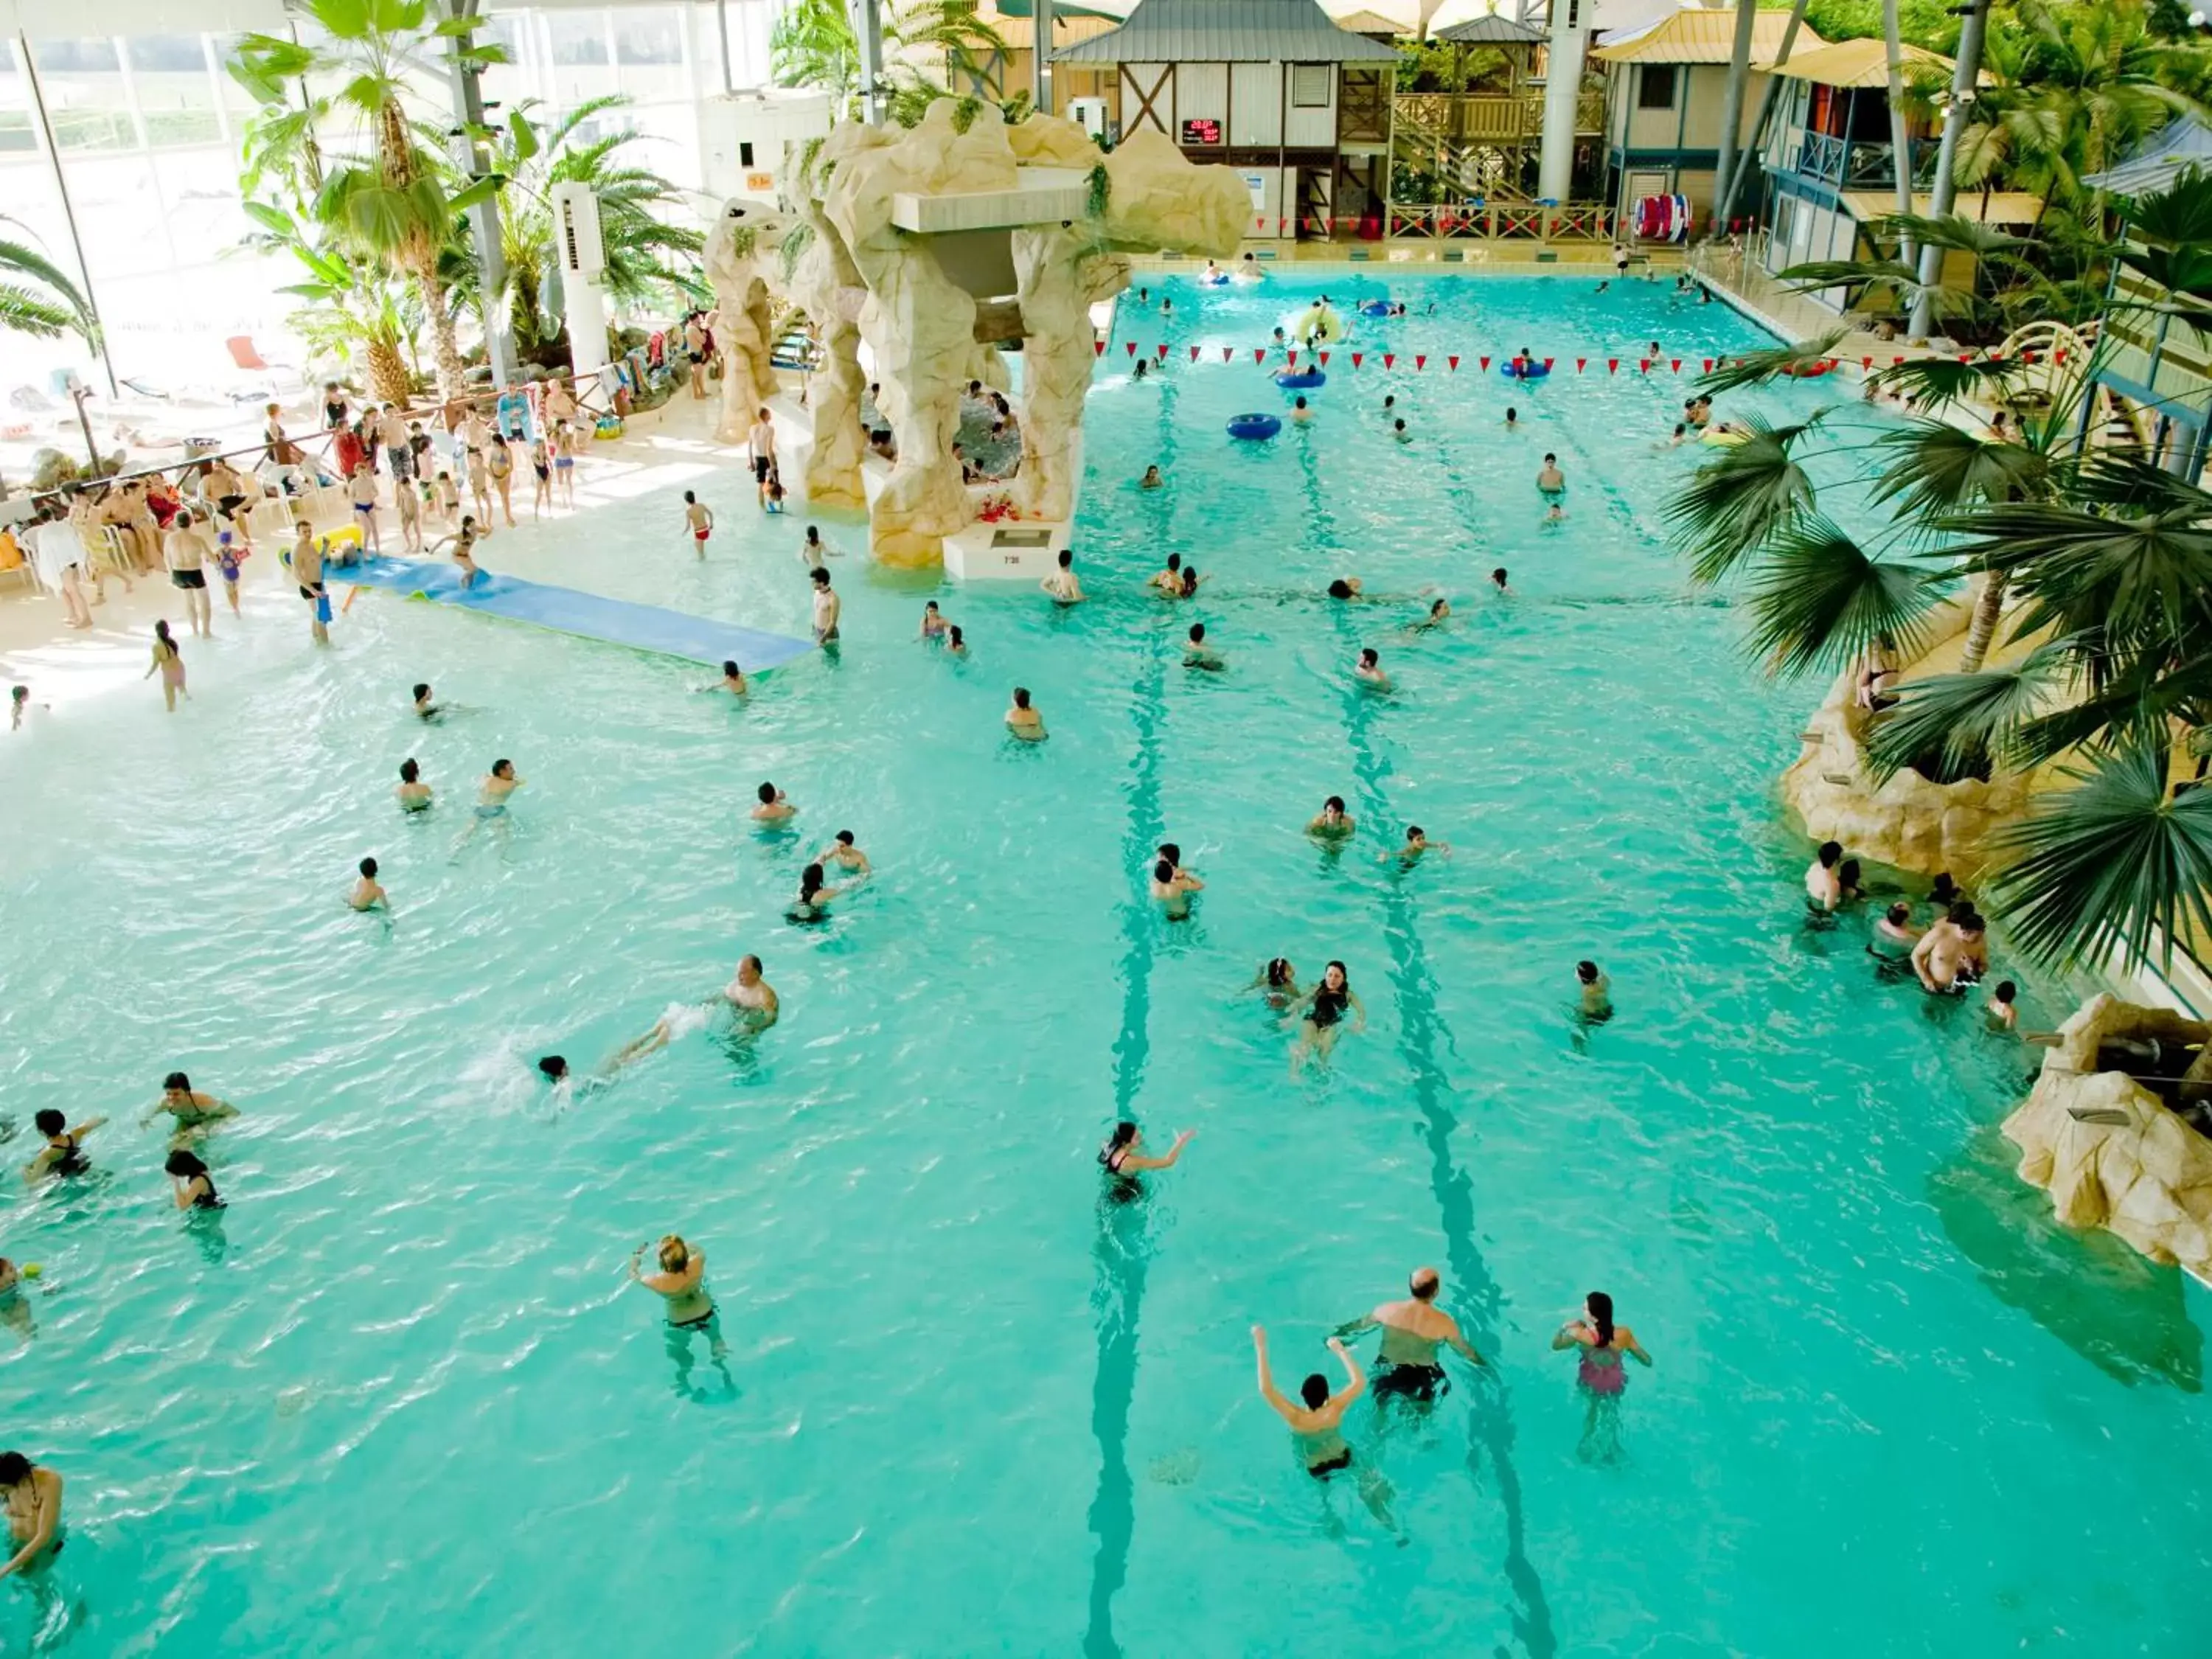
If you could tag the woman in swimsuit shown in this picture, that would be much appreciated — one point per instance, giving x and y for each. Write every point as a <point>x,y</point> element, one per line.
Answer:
<point>564,462</point>
<point>682,1283</point>
<point>932,622</point>
<point>1325,1006</point>
<point>542,497</point>
<point>64,1152</point>
<point>499,465</point>
<point>1122,1156</point>
<point>169,663</point>
<point>1599,1372</point>
<point>195,1188</point>
<point>1280,983</point>
<point>813,901</point>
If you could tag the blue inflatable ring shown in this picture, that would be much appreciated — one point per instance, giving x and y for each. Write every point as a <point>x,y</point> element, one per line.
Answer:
<point>1526,369</point>
<point>1216,280</point>
<point>1254,427</point>
<point>1301,379</point>
<point>1374,308</point>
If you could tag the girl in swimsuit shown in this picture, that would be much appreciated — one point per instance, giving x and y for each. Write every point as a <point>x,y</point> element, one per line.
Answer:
<point>932,622</point>
<point>1325,1006</point>
<point>564,462</point>
<point>1280,982</point>
<point>1599,1372</point>
<point>195,1188</point>
<point>64,1153</point>
<point>543,498</point>
<point>169,663</point>
<point>1122,1156</point>
<point>813,901</point>
<point>499,464</point>
<point>682,1283</point>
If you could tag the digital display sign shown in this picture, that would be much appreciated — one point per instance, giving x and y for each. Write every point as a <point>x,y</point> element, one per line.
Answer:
<point>1202,132</point>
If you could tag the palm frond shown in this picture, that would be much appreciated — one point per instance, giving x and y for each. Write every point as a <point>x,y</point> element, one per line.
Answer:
<point>1819,600</point>
<point>1938,383</point>
<point>1739,500</point>
<point>1931,468</point>
<point>2093,870</point>
<point>1758,367</point>
<point>1964,721</point>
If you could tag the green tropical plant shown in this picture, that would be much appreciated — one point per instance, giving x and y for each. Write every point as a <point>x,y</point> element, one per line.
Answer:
<point>386,193</point>
<point>813,45</point>
<point>648,256</point>
<point>36,298</point>
<point>351,309</point>
<point>2090,572</point>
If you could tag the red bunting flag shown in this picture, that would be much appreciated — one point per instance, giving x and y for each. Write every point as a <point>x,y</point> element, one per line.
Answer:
<point>1225,354</point>
<point>1579,361</point>
<point>1132,344</point>
<point>1894,361</point>
<point>1260,221</point>
<point>2028,357</point>
<point>1323,358</point>
<point>1646,362</point>
<point>1709,365</point>
<point>1355,359</point>
<point>1163,351</point>
<point>1259,354</point>
<point>1547,365</point>
<point>2060,355</point>
<point>1613,365</point>
<point>1486,365</point>
<point>1866,363</point>
<point>1294,357</point>
<point>1965,356</point>
<point>1678,365</point>
<point>1453,361</point>
<point>1421,361</point>
<point>1389,358</point>
<point>1193,354</point>
<point>1098,347</point>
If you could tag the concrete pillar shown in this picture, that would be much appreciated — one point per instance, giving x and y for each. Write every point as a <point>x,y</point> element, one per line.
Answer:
<point>1563,85</point>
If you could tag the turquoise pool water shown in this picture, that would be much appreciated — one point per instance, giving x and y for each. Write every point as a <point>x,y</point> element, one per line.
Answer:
<point>401,1393</point>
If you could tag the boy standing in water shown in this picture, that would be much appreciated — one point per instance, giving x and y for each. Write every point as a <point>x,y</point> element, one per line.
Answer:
<point>701,521</point>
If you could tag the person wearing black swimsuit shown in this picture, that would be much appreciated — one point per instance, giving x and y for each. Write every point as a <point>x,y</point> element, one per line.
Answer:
<point>1325,1006</point>
<point>195,1188</point>
<point>1122,1156</point>
<point>1317,1422</point>
<point>64,1153</point>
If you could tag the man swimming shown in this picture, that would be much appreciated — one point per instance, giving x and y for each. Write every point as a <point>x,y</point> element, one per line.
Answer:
<point>1317,1421</point>
<point>1169,580</point>
<point>1332,823</point>
<point>195,1113</point>
<point>698,519</point>
<point>1197,654</point>
<point>1172,888</point>
<point>494,789</point>
<point>1552,485</point>
<point>425,708</point>
<point>367,893</point>
<point>1824,888</point>
<point>1061,584</point>
<point>774,808</point>
<point>826,607</point>
<point>1023,720</point>
<point>844,854</point>
<point>1954,952</point>
<point>1369,669</point>
<point>412,794</point>
<point>732,680</point>
<point>1596,991</point>
<point>1405,1365</point>
<point>1416,845</point>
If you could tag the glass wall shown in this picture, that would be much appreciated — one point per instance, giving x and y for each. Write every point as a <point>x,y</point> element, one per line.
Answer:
<point>148,128</point>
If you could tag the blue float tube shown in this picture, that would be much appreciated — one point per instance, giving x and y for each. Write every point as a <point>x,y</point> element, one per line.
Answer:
<point>1374,308</point>
<point>1254,427</point>
<point>1216,280</point>
<point>1301,379</point>
<point>1527,369</point>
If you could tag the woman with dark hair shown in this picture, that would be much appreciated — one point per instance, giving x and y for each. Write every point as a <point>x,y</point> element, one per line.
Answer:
<point>1280,982</point>
<point>1121,1155</point>
<point>195,1188</point>
<point>169,663</point>
<point>1599,1372</point>
<point>1324,1010</point>
<point>815,893</point>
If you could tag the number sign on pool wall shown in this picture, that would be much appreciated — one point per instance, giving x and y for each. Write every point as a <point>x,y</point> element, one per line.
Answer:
<point>1201,131</point>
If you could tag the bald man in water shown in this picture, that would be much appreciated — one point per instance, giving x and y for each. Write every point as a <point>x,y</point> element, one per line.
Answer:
<point>1406,1364</point>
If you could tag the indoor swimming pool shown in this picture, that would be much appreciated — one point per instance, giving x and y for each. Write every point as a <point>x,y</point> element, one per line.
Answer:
<point>402,1390</point>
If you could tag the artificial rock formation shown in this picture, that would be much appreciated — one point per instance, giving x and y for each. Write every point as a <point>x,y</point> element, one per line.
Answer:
<point>2145,1175</point>
<point>1906,822</point>
<point>740,250</point>
<point>920,326</point>
<point>826,284</point>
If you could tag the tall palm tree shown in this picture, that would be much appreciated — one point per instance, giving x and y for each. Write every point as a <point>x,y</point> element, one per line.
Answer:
<point>813,45</point>
<point>350,306</point>
<point>646,255</point>
<point>36,298</point>
<point>386,194</point>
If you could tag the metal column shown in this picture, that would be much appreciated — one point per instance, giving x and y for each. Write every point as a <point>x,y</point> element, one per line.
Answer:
<point>1040,56</point>
<point>68,214</point>
<point>484,218</point>
<point>1562,88</point>
<point>868,32</point>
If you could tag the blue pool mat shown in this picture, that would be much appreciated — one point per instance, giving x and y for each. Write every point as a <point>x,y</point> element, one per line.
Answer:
<point>565,611</point>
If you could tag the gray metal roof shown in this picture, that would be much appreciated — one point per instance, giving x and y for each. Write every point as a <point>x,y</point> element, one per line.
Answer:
<point>2184,142</point>
<point>1491,30</point>
<point>1227,31</point>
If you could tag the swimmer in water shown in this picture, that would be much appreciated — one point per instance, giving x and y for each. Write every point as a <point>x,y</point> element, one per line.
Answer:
<point>64,1152</point>
<point>1497,579</point>
<point>32,1496</point>
<point>755,1001</point>
<point>1439,614</point>
<point>1417,846</point>
<point>412,794</point>
<point>1197,654</point>
<point>1324,1010</point>
<point>956,642</point>
<point>681,1284</point>
<point>1847,881</point>
<point>1599,1372</point>
<point>1332,823</point>
<point>367,894</point>
<point>1023,720</point>
<point>1279,981</point>
<point>1344,587</point>
<point>1151,480</point>
<point>1596,991</point>
<point>1168,580</point>
<point>1894,936</point>
<point>1398,430</point>
<point>1681,436</point>
<point>1552,485</point>
<point>842,853</point>
<point>1191,579</point>
<point>1824,888</point>
<point>1061,584</point>
<point>828,607</point>
<point>1406,1364</point>
<point>195,1115</point>
<point>1370,669</point>
<point>814,550</point>
<point>1317,1422</point>
<point>932,623</point>
<point>812,903</point>
<point>1512,418</point>
<point>1299,413</point>
<point>1121,1155</point>
<point>1172,852</point>
<point>1954,952</point>
<point>493,790</point>
<point>698,519</point>
<point>194,1187</point>
<point>428,709</point>
<point>772,808</point>
<point>732,680</point>
<point>1172,888</point>
<point>2002,1014</point>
